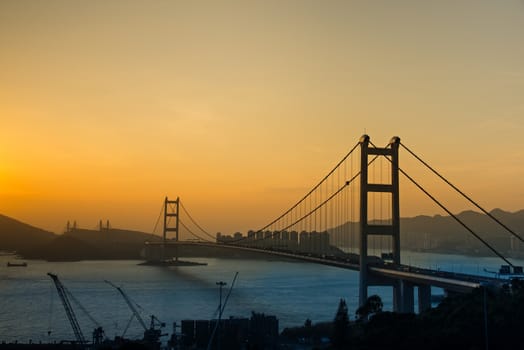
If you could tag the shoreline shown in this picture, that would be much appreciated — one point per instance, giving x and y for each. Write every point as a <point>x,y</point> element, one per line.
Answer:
<point>243,255</point>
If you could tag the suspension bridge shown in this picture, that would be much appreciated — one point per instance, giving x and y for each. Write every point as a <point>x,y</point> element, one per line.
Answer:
<point>349,219</point>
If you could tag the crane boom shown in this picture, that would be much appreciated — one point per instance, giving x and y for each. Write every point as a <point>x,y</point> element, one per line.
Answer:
<point>130,304</point>
<point>69,310</point>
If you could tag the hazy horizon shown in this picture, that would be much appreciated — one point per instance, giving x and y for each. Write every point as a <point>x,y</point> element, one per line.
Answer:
<point>240,108</point>
<point>158,231</point>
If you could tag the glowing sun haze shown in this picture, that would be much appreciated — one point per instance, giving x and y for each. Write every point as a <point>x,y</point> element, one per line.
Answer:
<point>239,107</point>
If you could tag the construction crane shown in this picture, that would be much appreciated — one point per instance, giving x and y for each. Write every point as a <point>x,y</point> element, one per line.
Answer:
<point>64,294</point>
<point>69,310</point>
<point>151,334</point>
<point>98,332</point>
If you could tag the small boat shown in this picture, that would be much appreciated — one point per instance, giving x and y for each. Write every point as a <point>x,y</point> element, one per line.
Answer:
<point>10,264</point>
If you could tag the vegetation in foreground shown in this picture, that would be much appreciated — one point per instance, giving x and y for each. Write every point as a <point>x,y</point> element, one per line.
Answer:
<point>459,322</point>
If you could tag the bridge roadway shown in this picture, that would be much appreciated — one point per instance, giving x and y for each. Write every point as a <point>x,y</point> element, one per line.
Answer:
<point>416,276</point>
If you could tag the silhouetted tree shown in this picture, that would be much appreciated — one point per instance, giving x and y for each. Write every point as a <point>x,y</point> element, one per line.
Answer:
<point>340,338</point>
<point>308,323</point>
<point>457,322</point>
<point>308,327</point>
<point>372,306</point>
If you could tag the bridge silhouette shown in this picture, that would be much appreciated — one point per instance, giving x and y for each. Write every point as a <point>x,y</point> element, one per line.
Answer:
<point>349,219</point>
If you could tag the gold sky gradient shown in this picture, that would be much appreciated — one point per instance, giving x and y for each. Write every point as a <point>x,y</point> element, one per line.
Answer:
<point>239,107</point>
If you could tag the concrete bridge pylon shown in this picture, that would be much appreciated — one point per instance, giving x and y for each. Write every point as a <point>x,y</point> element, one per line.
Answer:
<point>367,229</point>
<point>170,211</point>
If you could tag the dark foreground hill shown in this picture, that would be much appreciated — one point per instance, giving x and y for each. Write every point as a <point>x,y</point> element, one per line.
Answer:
<point>488,318</point>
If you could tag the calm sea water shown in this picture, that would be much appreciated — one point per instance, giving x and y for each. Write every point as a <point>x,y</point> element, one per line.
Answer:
<point>293,291</point>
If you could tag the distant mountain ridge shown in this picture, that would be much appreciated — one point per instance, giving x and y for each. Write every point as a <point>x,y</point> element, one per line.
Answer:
<point>440,234</point>
<point>443,234</point>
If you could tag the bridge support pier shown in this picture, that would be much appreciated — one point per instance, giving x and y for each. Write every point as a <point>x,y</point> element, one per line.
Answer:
<point>424,298</point>
<point>397,296</point>
<point>408,297</point>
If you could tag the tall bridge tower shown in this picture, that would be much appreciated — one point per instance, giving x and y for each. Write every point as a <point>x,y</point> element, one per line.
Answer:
<point>366,229</point>
<point>170,211</point>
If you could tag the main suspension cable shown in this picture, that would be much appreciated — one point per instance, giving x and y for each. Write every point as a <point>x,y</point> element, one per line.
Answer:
<point>455,217</point>
<point>312,190</point>
<point>444,208</point>
<point>463,194</point>
<point>194,222</point>
<point>194,234</point>
<point>311,211</point>
<point>158,219</point>
<point>320,205</point>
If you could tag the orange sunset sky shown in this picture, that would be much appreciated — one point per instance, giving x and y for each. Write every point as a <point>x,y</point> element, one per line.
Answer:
<point>239,107</point>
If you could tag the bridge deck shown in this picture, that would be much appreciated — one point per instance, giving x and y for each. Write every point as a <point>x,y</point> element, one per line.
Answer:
<point>456,282</point>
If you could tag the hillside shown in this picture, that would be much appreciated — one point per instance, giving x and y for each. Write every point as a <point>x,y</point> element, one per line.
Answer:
<point>80,244</point>
<point>110,236</point>
<point>16,235</point>
<point>444,234</point>
<point>440,234</point>
<point>34,243</point>
<point>62,248</point>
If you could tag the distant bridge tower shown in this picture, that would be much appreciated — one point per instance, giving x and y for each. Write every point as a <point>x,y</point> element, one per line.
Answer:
<point>101,226</point>
<point>69,227</point>
<point>366,229</point>
<point>169,211</point>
